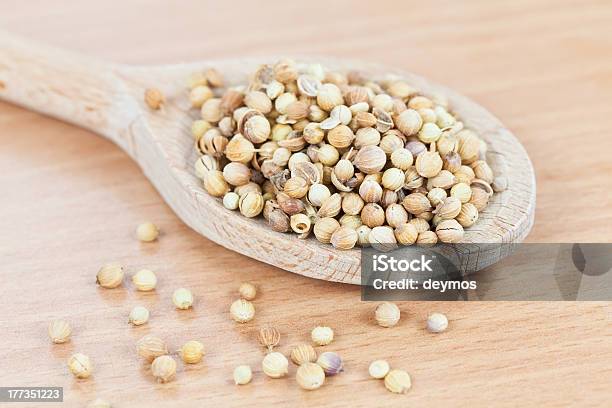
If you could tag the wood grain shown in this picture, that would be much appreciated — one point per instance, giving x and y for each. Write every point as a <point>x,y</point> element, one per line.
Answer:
<point>71,200</point>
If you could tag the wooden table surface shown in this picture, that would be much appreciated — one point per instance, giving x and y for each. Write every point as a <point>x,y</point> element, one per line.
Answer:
<point>70,202</point>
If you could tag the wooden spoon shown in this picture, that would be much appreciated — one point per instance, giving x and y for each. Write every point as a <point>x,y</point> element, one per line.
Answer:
<point>108,99</point>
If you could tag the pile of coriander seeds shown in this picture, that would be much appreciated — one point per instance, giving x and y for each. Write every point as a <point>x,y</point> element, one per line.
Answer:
<point>352,160</point>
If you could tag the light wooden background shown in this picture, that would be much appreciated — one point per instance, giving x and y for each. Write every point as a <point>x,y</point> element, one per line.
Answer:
<point>70,202</point>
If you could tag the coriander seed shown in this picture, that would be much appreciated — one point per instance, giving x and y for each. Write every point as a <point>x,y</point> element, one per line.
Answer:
<point>247,291</point>
<point>387,314</point>
<point>242,311</point>
<point>215,183</point>
<point>324,228</point>
<point>230,200</point>
<point>144,280</point>
<point>331,206</point>
<point>395,215</point>
<point>462,192</point>
<point>436,195</point>
<point>237,174</point>
<point>322,335</point>
<point>147,232</point>
<point>479,198</point>
<point>393,179</point>
<point>296,187</point>
<point>303,353</point>
<point>402,159</point>
<point>251,204</point>
<point>469,145</point>
<point>420,224</point>
<point>153,98</point>
<point>344,238</point>
<point>437,323</point>
<point>449,231</point>
<point>416,203</point>
<point>330,362</point>
<point>199,95</point>
<point>259,101</point>
<point>110,276</point>
<point>373,215</point>
<point>340,136</point>
<point>310,376</point>
<point>329,96</point>
<point>300,223</point>
<point>352,203</point>
<point>500,184</point>
<point>483,171</point>
<point>163,368</point>
<point>427,238</point>
<point>139,316</point>
<point>366,137</point>
<point>182,299</point>
<point>370,191</point>
<point>391,142</point>
<point>275,365</point>
<point>363,233</point>
<point>149,347</point>
<point>448,209</point>
<point>59,331</point>
<point>192,352</point>
<point>398,381</point>
<point>213,78</point>
<point>444,179</point>
<point>242,375</point>
<point>351,221</point>
<point>278,220</point>
<point>80,365</point>
<point>406,234</point>
<point>382,238</point>
<point>429,133</point>
<point>269,337</point>
<point>328,155</point>
<point>468,215</point>
<point>378,369</point>
<point>428,164</point>
<point>370,159</point>
<point>409,122</point>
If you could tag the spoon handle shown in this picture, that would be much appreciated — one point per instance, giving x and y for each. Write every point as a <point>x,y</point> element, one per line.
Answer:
<point>61,84</point>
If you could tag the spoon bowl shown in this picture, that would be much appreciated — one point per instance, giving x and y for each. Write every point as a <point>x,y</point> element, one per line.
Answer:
<point>108,99</point>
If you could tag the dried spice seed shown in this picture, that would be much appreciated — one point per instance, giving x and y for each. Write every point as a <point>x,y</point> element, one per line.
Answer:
<point>163,368</point>
<point>398,381</point>
<point>379,369</point>
<point>139,316</point>
<point>192,352</point>
<point>355,160</point>
<point>322,335</point>
<point>303,353</point>
<point>437,322</point>
<point>153,98</point>
<point>59,331</point>
<point>80,365</point>
<point>330,362</point>
<point>275,365</point>
<point>242,375</point>
<point>149,347</point>
<point>387,314</point>
<point>268,337</point>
